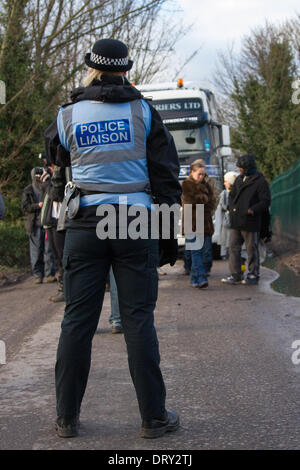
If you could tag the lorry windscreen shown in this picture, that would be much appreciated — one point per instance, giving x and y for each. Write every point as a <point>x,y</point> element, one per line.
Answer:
<point>192,140</point>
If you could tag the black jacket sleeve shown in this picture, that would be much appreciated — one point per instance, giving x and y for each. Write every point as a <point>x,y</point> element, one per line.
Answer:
<point>27,203</point>
<point>163,163</point>
<point>235,187</point>
<point>58,184</point>
<point>264,198</point>
<point>55,152</point>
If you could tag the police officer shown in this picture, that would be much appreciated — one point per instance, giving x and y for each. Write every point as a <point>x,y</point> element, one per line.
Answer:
<point>116,145</point>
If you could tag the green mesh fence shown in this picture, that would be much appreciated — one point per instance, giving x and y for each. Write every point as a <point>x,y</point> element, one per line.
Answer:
<point>285,206</point>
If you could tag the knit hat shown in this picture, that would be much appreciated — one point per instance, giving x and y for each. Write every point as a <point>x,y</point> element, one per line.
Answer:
<point>247,162</point>
<point>109,55</point>
<point>230,177</point>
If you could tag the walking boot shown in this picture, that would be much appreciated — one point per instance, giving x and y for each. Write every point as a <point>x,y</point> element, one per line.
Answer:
<point>158,427</point>
<point>230,280</point>
<point>251,280</point>
<point>67,427</point>
<point>115,329</point>
<point>59,297</point>
<point>49,279</point>
<point>203,285</point>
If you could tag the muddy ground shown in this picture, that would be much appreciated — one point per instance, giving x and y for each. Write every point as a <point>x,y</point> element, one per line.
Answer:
<point>9,276</point>
<point>293,262</point>
<point>286,253</point>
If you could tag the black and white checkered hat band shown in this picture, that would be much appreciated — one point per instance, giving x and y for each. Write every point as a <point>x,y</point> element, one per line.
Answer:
<point>100,60</point>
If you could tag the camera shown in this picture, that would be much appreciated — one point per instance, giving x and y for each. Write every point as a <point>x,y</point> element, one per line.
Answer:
<point>43,158</point>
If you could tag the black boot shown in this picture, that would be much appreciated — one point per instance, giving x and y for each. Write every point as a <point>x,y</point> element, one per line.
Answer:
<point>67,426</point>
<point>158,427</point>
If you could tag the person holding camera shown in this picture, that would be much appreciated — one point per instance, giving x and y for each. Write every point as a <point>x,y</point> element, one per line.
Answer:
<point>53,181</point>
<point>40,253</point>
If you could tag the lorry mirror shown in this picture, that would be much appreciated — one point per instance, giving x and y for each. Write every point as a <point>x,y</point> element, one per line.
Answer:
<point>190,140</point>
<point>225,151</point>
<point>225,136</point>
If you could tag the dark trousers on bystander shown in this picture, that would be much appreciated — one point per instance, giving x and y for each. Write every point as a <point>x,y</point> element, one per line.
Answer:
<point>57,241</point>
<point>236,240</point>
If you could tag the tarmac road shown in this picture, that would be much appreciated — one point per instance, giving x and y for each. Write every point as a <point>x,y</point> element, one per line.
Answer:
<point>226,355</point>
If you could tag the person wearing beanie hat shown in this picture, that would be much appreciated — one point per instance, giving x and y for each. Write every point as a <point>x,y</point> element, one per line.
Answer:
<point>119,150</point>
<point>249,199</point>
<point>247,163</point>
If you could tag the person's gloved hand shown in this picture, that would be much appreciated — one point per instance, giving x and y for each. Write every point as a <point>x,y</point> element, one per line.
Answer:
<point>168,251</point>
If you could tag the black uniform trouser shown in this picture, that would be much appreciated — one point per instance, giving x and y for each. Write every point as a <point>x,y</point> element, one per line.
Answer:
<point>86,264</point>
<point>236,240</point>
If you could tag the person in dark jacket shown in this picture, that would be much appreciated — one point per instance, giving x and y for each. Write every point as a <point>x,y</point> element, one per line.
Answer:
<point>117,146</point>
<point>249,200</point>
<point>40,253</point>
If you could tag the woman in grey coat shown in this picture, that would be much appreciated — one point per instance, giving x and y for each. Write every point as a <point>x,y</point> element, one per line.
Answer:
<point>222,214</point>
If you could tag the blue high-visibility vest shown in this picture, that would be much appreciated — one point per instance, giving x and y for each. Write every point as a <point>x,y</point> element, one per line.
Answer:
<point>107,145</point>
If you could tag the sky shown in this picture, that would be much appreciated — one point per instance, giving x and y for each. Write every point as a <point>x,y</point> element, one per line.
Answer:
<point>219,23</point>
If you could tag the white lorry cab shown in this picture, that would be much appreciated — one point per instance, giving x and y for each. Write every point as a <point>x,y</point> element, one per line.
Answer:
<point>190,114</point>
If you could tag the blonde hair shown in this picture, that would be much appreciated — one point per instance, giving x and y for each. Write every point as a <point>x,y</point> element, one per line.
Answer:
<point>230,177</point>
<point>94,74</point>
<point>197,164</point>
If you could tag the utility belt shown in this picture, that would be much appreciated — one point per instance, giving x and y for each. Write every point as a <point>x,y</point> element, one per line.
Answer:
<point>71,202</point>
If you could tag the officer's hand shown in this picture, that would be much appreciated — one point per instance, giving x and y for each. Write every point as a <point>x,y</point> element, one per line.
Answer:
<point>168,252</point>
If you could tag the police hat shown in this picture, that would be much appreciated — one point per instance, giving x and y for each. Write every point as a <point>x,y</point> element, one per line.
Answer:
<point>109,55</point>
